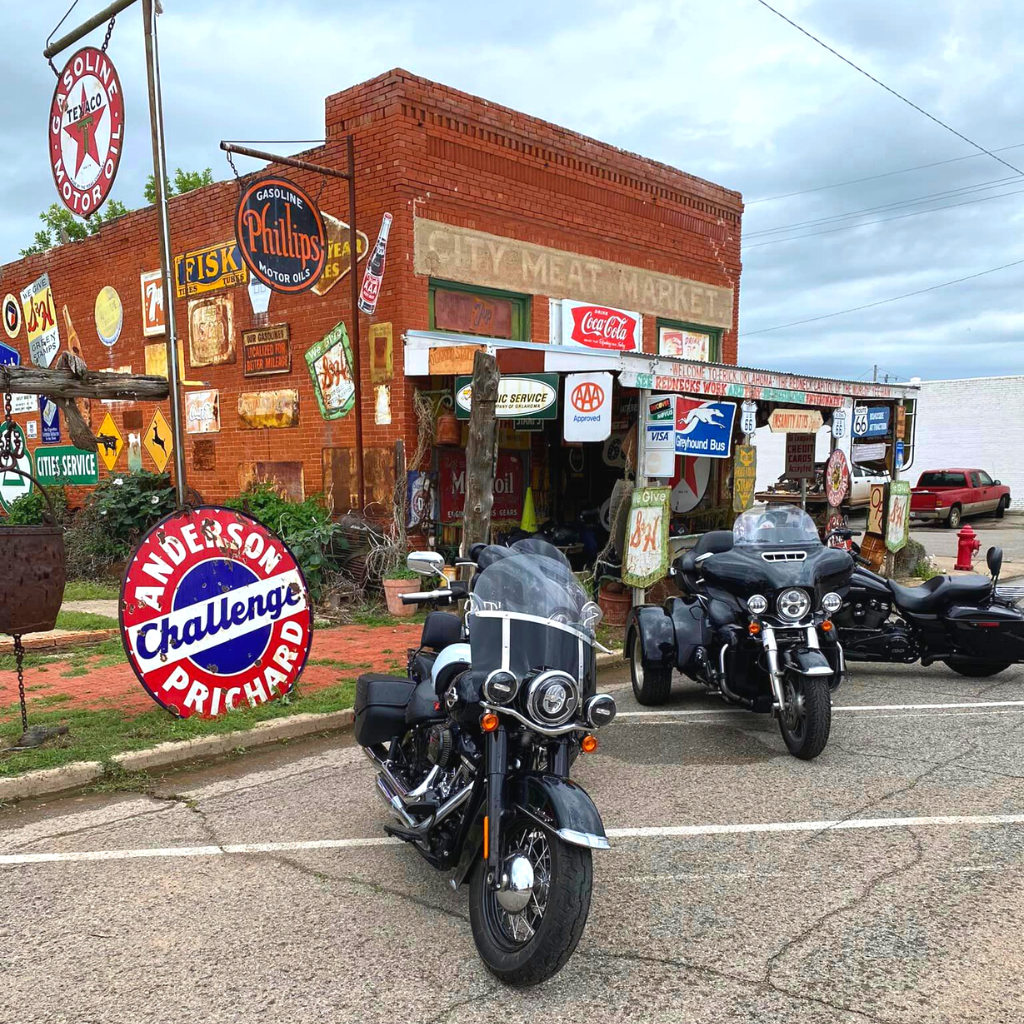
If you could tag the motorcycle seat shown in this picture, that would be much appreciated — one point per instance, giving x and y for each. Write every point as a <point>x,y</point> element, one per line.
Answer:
<point>712,543</point>
<point>940,593</point>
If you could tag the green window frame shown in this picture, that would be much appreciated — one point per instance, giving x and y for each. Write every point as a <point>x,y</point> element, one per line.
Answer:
<point>714,333</point>
<point>521,307</point>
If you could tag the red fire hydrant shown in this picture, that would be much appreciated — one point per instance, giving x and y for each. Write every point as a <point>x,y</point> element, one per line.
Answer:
<point>966,544</point>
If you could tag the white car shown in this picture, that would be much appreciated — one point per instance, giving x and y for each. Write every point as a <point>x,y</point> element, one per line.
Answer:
<point>861,479</point>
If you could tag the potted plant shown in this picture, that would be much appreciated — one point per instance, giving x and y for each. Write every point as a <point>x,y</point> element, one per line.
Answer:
<point>398,581</point>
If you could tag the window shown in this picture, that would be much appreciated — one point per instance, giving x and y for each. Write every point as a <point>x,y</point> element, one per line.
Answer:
<point>690,341</point>
<point>986,480</point>
<point>465,309</point>
<point>942,479</point>
<point>975,482</point>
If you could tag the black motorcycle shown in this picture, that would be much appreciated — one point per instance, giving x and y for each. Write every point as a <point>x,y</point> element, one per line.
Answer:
<point>753,625</point>
<point>968,622</point>
<point>473,759</point>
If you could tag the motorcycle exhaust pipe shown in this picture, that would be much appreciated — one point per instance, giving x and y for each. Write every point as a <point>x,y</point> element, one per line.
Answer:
<point>394,804</point>
<point>395,786</point>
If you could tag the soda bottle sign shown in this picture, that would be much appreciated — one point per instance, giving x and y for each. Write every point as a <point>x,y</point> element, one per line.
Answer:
<point>374,273</point>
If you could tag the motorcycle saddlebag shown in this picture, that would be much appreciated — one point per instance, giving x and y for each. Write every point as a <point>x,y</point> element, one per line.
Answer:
<point>380,707</point>
<point>994,633</point>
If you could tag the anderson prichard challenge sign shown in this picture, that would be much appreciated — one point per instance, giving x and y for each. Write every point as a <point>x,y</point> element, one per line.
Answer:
<point>474,257</point>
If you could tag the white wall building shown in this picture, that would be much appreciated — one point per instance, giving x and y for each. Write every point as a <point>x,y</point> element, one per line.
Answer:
<point>976,422</point>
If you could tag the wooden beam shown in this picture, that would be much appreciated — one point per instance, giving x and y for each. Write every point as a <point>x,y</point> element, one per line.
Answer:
<point>33,380</point>
<point>481,452</point>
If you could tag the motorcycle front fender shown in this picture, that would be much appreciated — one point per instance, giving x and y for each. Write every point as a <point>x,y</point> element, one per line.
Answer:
<point>558,805</point>
<point>806,662</point>
<point>654,628</point>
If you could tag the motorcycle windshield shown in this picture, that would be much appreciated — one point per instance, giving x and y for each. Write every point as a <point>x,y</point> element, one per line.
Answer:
<point>528,611</point>
<point>775,525</point>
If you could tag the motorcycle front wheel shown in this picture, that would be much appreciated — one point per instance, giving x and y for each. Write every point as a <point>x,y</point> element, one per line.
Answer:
<point>807,722</point>
<point>527,946</point>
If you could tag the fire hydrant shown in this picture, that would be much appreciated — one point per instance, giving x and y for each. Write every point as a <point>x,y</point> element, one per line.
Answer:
<point>966,544</point>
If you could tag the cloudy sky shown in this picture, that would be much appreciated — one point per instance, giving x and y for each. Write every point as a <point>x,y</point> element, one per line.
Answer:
<point>721,88</point>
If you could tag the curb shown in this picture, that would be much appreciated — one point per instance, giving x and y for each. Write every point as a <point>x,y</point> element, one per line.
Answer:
<point>47,781</point>
<point>63,640</point>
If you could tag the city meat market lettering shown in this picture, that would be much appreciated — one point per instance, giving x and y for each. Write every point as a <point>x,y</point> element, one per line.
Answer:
<point>475,257</point>
<point>281,235</point>
<point>215,613</point>
<point>209,269</point>
<point>86,130</point>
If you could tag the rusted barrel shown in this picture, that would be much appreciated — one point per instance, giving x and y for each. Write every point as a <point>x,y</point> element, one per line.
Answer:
<point>32,574</point>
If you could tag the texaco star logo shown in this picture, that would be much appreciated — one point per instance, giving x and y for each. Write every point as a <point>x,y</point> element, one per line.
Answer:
<point>86,130</point>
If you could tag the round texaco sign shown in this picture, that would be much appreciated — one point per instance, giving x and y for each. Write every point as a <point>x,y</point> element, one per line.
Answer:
<point>86,130</point>
<point>215,613</point>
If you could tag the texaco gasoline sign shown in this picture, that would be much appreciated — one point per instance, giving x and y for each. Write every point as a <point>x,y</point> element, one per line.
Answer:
<point>86,130</point>
<point>215,613</point>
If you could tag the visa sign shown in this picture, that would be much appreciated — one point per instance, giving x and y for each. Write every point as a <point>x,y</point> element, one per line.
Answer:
<point>704,428</point>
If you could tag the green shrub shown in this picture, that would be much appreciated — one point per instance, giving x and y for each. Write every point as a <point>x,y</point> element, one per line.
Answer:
<point>28,511</point>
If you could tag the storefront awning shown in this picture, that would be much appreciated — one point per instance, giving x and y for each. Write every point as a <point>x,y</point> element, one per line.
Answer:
<point>668,373</point>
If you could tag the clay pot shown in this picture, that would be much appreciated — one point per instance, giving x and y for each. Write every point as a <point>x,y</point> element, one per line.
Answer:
<point>615,606</point>
<point>392,590</point>
<point>449,432</point>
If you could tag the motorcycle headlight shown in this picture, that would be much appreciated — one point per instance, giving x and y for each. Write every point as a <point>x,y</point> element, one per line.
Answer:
<point>599,710</point>
<point>500,687</point>
<point>793,604</point>
<point>831,603</point>
<point>757,604</point>
<point>552,698</point>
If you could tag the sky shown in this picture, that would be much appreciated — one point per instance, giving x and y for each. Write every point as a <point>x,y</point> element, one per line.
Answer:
<point>723,89</point>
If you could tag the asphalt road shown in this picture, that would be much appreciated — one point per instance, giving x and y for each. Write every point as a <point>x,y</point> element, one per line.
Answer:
<point>759,907</point>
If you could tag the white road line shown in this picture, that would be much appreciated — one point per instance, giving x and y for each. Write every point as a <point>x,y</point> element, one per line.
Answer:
<point>687,712</point>
<point>658,832</point>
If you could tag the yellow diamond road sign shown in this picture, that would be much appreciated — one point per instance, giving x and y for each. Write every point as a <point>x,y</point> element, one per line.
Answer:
<point>111,443</point>
<point>158,440</point>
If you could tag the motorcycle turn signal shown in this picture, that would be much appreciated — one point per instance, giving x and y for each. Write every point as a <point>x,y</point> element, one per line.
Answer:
<point>826,626</point>
<point>588,744</point>
<point>488,722</point>
<point>754,628</point>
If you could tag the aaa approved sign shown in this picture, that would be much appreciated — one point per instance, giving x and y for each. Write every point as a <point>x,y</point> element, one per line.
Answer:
<point>214,613</point>
<point>588,407</point>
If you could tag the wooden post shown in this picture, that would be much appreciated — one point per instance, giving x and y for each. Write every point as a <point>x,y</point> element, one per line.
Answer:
<point>481,452</point>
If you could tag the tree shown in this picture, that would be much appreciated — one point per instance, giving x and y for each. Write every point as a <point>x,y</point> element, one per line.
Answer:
<point>60,225</point>
<point>184,181</point>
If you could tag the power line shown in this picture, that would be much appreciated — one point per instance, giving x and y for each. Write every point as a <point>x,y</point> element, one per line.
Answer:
<point>882,302</point>
<point>953,193</point>
<point>910,103</point>
<point>875,177</point>
<point>882,220</point>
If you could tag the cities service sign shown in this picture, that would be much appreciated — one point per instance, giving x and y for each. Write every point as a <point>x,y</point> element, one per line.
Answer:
<point>86,130</point>
<point>215,613</point>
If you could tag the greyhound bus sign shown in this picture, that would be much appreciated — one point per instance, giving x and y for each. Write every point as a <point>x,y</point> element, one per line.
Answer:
<point>214,613</point>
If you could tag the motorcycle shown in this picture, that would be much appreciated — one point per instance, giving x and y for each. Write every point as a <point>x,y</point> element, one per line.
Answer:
<point>754,624</point>
<point>968,622</point>
<point>473,751</point>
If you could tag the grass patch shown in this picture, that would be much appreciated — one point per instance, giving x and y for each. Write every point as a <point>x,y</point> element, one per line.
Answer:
<point>98,734</point>
<point>376,614</point>
<point>91,590</point>
<point>612,637</point>
<point>84,620</point>
<point>924,570</point>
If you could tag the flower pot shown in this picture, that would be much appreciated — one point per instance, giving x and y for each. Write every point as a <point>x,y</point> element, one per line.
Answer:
<point>615,606</point>
<point>392,591</point>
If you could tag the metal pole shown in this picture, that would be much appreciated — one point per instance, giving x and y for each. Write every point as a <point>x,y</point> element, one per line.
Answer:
<point>640,478</point>
<point>83,30</point>
<point>354,283</point>
<point>156,118</point>
<point>288,161</point>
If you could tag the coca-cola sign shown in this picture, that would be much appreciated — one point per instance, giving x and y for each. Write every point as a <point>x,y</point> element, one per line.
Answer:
<point>600,327</point>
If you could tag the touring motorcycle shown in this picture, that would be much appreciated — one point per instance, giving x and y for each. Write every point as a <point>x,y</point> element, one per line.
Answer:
<point>968,622</point>
<point>754,624</point>
<point>473,751</point>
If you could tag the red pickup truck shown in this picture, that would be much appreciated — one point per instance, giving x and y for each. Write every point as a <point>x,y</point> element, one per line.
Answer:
<point>951,494</point>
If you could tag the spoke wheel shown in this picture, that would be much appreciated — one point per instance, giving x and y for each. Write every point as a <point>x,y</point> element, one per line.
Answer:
<point>530,945</point>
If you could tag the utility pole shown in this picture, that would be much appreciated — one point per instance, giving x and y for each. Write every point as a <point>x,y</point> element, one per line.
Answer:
<point>480,452</point>
<point>874,374</point>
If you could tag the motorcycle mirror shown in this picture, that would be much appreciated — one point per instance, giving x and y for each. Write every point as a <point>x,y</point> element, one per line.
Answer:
<point>994,558</point>
<point>425,563</point>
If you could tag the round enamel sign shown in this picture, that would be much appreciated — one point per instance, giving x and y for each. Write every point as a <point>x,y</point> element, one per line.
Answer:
<point>215,613</point>
<point>109,315</point>
<point>12,316</point>
<point>86,130</point>
<point>837,478</point>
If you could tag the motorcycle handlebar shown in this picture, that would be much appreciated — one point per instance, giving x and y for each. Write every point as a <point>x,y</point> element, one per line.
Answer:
<point>419,596</point>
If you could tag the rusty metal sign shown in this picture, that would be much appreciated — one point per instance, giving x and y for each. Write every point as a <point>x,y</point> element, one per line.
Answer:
<point>202,412</point>
<point>266,351</point>
<point>211,331</point>
<point>209,269</point>
<point>837,478</point>
<point>330,367</point>
<point>214,613</point>
<point>744,477</point>
<point>259,410</point>
<point>381,353</point>
<point>86,130</point>
<point>339,255</point>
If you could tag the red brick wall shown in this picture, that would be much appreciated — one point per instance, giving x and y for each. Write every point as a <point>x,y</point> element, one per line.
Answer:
<point>421,149</point>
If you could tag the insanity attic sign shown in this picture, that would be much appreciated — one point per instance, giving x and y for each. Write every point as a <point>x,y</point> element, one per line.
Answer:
<point>474,257</point>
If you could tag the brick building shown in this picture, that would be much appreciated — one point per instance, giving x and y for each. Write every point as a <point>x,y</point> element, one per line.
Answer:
<point>496,214</point>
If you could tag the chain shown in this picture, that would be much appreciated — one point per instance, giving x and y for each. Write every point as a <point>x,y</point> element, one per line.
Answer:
<point>323,181</point>
<point>19,654</point>
<point>231,164</point>
<point>53,67</point>
<point>12,446</point>
<point>106,38</point>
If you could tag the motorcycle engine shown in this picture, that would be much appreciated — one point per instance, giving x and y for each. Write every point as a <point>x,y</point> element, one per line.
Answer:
<point>864,612</point>
<point>893,644</point>
<point>440,745</point>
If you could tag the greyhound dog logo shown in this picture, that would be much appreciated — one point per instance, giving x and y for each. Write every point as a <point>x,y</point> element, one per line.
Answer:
<point>702,415</point>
